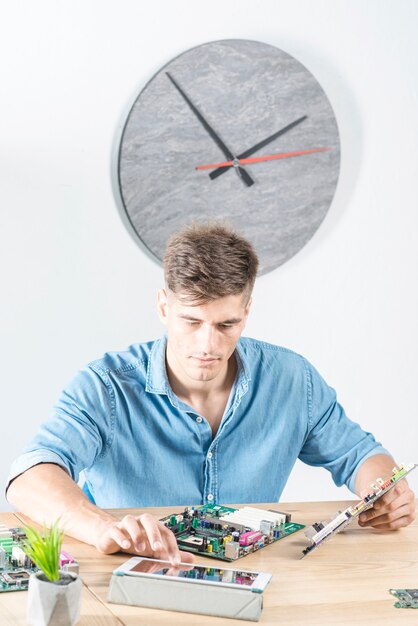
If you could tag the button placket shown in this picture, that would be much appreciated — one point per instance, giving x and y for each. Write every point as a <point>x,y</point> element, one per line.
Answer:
<point>211,481</point>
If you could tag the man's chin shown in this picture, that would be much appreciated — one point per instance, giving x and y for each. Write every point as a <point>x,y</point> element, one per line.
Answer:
<point>202,373</point>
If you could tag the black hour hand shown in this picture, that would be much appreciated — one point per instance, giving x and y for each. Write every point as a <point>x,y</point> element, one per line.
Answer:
<point>246,178</point>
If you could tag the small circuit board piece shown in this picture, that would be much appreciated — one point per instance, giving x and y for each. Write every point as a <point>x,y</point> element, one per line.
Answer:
<point>15,566</point>
<point>320,532</point>
<point>225,533</point>
<point>407,598</point>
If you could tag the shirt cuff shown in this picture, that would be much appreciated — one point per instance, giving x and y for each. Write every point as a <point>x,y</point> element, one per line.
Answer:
<point>29,459</point>
<point>352,481</point>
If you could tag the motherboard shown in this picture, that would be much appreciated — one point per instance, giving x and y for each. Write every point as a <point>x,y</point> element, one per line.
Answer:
<point>320,532</point>
<point>407,598</point>
<point>226,533</point>
<point>15,566</point>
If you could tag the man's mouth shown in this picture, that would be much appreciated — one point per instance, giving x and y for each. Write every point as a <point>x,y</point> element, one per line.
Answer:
<point>205,360</point>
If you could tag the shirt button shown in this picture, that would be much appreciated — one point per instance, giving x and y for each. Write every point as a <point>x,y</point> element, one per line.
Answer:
<point>210,455</point>
<point>199,419</point>
<point>210,497</point>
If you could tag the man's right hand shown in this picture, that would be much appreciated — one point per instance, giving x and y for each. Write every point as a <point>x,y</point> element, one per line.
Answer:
<point>143,535</point>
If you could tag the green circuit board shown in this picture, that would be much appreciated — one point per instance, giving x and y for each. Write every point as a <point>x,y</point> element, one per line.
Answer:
<point>15,566</point>
<point>407,598</point>
<point>226,533</point>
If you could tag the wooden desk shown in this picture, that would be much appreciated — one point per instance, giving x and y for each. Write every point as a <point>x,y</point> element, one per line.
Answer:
<point>345,582</point>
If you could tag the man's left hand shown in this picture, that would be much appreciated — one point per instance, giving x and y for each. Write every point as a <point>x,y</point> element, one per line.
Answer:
<point>393,510</point>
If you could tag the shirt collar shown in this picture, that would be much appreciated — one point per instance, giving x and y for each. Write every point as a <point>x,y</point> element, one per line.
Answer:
<point>157,379</point>
<point>243,378</point>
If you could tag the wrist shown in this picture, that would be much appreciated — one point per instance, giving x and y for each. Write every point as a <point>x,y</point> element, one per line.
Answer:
<point>87,522</point>
<point>377,466</point>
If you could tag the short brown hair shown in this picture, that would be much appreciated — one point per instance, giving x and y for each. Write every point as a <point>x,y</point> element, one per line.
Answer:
<point>204,262</point>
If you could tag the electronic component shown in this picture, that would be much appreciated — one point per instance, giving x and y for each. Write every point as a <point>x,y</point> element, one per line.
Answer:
<point>226,533</point>
<point>15,566</point>
<point>68,563</point>
<point>407,598</point>
<point>322,531</point>
<point>193,588</point>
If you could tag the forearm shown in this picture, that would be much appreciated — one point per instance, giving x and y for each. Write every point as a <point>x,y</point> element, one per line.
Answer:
<point>46,492</point>
<point>378,466</point>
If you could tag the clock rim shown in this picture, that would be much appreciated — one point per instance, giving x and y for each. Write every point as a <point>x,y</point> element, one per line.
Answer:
<point>123,122</point>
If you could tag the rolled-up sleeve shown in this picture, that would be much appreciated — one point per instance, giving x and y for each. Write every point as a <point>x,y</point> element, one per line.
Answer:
<point>333,440</point>
<point>80,428</point>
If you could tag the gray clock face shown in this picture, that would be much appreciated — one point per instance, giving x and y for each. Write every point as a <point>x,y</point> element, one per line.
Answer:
<point>223,102</point>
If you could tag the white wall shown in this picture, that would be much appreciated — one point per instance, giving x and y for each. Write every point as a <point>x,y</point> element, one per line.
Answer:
<point>73,282</point>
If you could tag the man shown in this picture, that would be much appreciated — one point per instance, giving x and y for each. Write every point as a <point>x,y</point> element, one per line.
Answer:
<point>201,415</point>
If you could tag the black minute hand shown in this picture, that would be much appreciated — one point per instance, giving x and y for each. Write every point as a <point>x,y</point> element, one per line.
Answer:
<point>227,152</point>
<point>258,146</point>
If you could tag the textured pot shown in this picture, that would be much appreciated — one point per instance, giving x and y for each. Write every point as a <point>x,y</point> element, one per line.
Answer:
<point>54,603</point>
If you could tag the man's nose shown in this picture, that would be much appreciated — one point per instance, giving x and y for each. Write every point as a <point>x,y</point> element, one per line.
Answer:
<point>208,338</point>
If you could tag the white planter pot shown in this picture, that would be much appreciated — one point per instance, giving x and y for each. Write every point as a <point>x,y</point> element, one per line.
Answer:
<point>54,604</point>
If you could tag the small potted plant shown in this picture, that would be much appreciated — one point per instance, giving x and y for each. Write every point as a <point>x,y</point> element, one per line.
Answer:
<point>54,596</point>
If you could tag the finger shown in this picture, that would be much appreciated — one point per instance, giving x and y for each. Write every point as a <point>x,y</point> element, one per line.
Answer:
<point>389,516</point>
<point>136,533</point>
<point>119,536</point>
<point>187,557</point>
<point>154,533</point>
<point>173,552</point>
<point>392,494</point>
<point>404,497</point>
<point>171,549</point>
<point>407,497</point>
<point>396,524</point>
<point>372,517</point>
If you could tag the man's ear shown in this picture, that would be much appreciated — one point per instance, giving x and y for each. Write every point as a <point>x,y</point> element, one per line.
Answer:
<point>162,304</point>
<point>246,312</point>
<point>248,306</point>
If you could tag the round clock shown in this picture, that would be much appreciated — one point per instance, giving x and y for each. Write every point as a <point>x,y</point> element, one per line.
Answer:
<point>235,130</point>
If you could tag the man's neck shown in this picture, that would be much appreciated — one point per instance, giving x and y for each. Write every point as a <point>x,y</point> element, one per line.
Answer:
<point>195,391</point>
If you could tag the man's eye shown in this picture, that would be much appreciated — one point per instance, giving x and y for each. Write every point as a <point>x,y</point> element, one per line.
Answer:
<point>226,325</point>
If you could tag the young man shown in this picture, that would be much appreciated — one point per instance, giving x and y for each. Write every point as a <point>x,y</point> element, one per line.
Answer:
<point>201,415</point>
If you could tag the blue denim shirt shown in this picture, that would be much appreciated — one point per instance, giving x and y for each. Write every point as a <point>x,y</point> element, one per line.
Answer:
<point>140,445</point>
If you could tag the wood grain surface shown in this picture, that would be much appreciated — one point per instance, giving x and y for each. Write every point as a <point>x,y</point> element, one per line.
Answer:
<point>344,582</point>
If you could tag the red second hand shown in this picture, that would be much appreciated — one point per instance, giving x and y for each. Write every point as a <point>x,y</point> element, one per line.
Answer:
<point>269,157</point>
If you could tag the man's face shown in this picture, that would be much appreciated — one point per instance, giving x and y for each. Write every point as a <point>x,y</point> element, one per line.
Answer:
<point>202,338</point>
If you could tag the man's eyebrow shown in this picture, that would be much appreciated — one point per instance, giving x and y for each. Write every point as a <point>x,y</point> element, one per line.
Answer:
<point>233,320</point>
<point>184,316</point>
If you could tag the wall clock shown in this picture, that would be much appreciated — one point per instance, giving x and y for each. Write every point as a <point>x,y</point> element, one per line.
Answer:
<point>236,130</point>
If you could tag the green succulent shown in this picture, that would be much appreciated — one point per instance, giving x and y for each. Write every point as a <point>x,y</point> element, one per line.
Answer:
<point>44,549</point>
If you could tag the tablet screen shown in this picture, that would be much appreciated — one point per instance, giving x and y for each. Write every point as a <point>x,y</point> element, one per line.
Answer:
<point>197,572</point>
